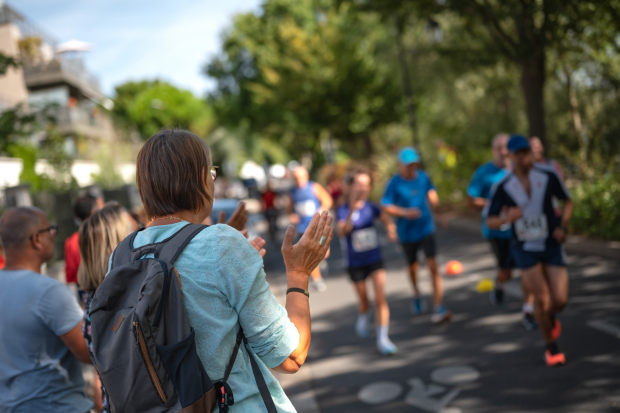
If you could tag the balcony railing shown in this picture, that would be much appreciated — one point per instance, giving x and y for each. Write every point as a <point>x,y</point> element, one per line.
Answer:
<point>72,67</point>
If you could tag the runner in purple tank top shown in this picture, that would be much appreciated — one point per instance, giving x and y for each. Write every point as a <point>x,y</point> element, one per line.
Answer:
<point>356,227</point>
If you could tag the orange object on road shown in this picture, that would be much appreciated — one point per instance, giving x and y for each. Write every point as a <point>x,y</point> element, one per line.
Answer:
<point>454,268</point>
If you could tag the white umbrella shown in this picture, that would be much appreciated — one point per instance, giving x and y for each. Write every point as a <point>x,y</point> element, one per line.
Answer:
<point>74,46</point>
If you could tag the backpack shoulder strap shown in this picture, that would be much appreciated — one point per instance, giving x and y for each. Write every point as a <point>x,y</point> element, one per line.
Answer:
<point>124,251</point>
<point>170,249</point>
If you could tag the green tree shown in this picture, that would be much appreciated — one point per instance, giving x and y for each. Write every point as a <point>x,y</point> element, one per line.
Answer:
<point>149,106</point>
<point>303,71</point>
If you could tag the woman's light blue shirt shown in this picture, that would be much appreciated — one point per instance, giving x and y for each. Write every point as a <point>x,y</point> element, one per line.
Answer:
<point>223,284</point>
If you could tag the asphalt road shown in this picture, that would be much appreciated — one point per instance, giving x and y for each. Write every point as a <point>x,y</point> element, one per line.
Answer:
<point>482,361</point>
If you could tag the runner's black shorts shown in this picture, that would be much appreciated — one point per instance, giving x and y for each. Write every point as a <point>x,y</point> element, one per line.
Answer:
<point>427,243</point>
<point>361,273</point>
<point>501,250</point>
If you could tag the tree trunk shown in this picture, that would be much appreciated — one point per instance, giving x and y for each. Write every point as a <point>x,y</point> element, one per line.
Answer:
<point>368,146</point>
<point>407,88</point>
<point>533,85</point>
<point>577,125</point>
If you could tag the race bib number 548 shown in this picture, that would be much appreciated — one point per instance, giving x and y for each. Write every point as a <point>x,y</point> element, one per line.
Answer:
<point>532,228</point>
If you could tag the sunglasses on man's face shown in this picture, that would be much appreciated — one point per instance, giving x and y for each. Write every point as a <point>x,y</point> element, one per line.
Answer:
<point>215,171</point>
<point>52,229</point>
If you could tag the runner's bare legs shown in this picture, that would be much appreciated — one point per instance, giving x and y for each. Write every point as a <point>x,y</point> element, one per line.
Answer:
<point>534,280</point>
<point>436,279</point>
<point>413,270</point>
<point>557,277</point>
<point>382,311</point>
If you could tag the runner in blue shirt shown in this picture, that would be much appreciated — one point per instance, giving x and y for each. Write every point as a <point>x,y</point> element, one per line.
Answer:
<point>356,227</point>
<point>478,194</point>
<point>308,198</point>
<point>409,197</point>
<point>538,232</point>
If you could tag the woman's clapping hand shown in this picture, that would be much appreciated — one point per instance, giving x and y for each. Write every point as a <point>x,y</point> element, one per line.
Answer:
<point>303,257</point>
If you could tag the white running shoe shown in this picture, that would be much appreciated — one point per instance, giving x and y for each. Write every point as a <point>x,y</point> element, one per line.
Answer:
<point>386,347</point>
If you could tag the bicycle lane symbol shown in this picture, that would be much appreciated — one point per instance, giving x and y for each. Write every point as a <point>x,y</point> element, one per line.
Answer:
<point>424,396</point>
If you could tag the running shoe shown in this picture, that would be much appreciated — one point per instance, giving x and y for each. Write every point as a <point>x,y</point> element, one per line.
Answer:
<point>361,326</point>
<point>529,322</point>
<point>554,359</point>
<point>497,297</point>
<point>418,305</point>
<point>386,348</point>
<point>556,330</point>
<point>441,314</point>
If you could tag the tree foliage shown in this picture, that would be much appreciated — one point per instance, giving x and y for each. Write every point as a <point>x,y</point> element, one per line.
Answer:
<point>149,106</point>
<point>304,71</point>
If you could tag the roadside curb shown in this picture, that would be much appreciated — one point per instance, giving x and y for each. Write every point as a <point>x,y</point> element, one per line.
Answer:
<point>575,244</point>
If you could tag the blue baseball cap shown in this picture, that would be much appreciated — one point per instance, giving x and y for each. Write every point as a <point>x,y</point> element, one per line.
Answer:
<point>517,142</point>
<point>408,155</point>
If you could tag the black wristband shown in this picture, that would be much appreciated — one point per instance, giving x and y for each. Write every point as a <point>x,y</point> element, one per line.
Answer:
<point>298,290</point>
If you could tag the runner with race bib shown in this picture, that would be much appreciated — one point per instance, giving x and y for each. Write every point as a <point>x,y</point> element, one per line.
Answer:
<point>478,192</point>
<point>410,196</point>
<point>306,199</point>
<point>362,255</point>
<point>525,195</point>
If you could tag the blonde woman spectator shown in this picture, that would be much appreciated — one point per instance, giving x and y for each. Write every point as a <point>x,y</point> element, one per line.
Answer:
<point>98,237</point>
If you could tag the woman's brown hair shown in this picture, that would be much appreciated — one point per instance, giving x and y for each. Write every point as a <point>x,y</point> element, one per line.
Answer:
<point>98,237</point>
<point>171,172</point>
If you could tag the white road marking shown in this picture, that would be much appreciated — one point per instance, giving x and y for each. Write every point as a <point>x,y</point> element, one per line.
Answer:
<point>605,326</point>
<point>420,396</point>
<point>380,392</point>
<point>455,375</point>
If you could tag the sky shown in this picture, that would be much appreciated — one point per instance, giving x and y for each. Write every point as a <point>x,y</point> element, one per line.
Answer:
<point>140,39</point>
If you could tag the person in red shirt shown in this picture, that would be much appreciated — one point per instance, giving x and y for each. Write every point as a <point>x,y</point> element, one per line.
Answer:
<point>83,207</point>
<point>268,199</point>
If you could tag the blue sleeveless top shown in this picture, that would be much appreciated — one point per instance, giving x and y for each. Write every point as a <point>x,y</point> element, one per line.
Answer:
<point>305,205</point>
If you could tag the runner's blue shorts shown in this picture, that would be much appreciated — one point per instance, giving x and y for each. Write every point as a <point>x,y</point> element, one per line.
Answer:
<point>527,259</point>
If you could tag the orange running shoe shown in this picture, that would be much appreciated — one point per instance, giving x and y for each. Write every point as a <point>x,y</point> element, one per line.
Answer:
<point>556,330</point>
<point>556,359</point>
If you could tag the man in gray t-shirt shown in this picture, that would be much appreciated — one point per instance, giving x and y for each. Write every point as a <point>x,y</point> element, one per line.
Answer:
<point>41,343</point>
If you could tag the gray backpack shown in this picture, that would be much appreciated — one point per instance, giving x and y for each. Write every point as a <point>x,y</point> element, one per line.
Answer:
<point>143,344</point>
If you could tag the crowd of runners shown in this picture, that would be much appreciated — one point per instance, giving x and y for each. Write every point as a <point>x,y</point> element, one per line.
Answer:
<point>520,195</point>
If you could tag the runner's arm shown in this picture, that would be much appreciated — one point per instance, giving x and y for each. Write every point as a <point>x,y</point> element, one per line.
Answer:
<point>389,225</point>
<point>324,197</point>
<point>476,203</point>
<point>290,210</point>
<point>498,204</point>
<point>345,226</point>
<point>396,211</point>
<point>567,211</point>
<point>433,199</point>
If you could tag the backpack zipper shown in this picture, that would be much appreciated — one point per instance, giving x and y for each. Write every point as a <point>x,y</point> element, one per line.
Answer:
<point>148,362</point>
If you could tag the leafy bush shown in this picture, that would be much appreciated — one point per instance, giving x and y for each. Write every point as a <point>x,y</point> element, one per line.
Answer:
<point>597,212</point>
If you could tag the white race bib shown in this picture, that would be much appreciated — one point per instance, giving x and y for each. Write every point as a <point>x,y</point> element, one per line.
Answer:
<point>364,239</point>
<point>532,228</point>
<point>305,208</point>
